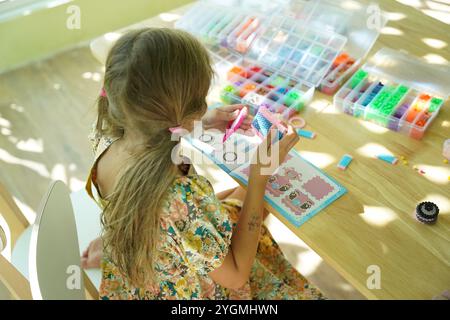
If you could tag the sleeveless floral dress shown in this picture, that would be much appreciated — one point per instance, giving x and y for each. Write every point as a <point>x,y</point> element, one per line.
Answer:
<point>195,237</point>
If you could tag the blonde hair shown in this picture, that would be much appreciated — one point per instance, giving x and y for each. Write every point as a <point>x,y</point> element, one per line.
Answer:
<point>154,79</point>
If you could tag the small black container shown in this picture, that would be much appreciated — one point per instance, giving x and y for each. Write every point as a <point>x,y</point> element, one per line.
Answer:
<point>427,212</point>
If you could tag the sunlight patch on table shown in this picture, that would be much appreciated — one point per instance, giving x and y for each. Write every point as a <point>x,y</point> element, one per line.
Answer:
<point>372,150</point>
<point>434,43</point>
<point>395,16</point>
<point>391,31</point>
<point>378,216</point>
<point>411,3</point>
<point>435,59</point>
<point>319,159</point>
<point>373,127</point>
<point>436,174</point>
<point>441,201</point>
<point>438,15</point>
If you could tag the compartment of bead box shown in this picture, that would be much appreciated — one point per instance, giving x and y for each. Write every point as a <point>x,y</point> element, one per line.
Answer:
<point>257,86</point>
<point>350,22</point>
<point>299,52</point>
<point>232,27</point>
<point>390,104</point>
<point>282,67</point>
<point>341,69</point>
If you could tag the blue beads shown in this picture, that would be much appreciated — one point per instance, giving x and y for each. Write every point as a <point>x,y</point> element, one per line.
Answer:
<point>372,95</point>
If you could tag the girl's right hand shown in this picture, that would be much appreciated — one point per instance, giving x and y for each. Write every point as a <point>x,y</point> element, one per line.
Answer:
<point>268,156</point>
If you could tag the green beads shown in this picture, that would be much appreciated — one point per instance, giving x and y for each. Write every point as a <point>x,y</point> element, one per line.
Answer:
<point>394,100</point>
<point>385,102</point>
<point>278,81</point>
<point>381,98</point>
<point>359,76</point>
<point>227,94</point>
<point>435,103</point>
<point>294,98</point>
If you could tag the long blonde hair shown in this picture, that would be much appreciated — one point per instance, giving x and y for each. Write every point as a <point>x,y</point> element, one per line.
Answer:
<point>154,79</point>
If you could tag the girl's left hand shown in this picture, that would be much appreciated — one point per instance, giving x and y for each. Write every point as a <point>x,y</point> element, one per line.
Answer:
<point>93,255</point>
<point>220,117</point>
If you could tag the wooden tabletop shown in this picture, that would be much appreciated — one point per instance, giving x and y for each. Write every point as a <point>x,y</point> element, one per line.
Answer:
<point>372,227</point>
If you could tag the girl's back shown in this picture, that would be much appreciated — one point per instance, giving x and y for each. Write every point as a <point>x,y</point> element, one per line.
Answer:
<point>166,235</point>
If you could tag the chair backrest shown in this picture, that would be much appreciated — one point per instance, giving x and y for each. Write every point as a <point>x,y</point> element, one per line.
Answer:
<point>3,239</point>
<point>54,257</point>
<point>17,223</point>
<point>13,284</point>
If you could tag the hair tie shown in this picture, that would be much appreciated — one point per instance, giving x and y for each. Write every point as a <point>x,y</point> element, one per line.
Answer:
<point>176,129</point>
<point>103,93</point>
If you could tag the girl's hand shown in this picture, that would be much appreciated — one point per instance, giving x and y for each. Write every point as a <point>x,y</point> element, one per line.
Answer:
<point>92,256</point>
<point>268,156</point>
<point>220,117</point>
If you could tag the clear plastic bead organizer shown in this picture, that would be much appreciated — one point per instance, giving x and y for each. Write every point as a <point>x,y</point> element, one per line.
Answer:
<point>280,68</point>
<point>233,27</point>
<point>353,22</point>
<point>397,91</point>
<point>283,66</point>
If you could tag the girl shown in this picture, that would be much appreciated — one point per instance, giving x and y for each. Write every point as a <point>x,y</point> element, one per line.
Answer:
<point>166,234</point>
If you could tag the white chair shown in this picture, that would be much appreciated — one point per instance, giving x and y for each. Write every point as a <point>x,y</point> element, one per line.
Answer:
<point>87,219</point>
<point>54,256</point>
<point>17,223</point>
<point>48,253</point>
<point>13,286</point>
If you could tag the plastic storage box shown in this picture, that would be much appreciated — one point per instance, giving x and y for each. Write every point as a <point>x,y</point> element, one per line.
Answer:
<point>231,24</point>
<point>397,91</point>
<point>280,67</point>
<point>360,24</point>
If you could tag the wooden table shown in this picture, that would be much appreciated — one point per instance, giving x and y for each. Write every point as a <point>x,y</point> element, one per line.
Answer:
<point>373,226</point>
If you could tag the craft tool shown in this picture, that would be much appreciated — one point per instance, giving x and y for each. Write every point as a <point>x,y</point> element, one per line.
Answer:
<point>388,158</point>
<point>306,133</point>
<point>263,122</point>
<point>297,122</point>
<point>233,126</point>
<point>345,161</point>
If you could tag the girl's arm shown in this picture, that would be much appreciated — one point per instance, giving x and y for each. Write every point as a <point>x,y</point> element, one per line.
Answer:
<point>235,269</point>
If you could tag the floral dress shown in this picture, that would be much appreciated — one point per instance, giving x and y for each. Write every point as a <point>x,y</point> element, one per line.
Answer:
<point>195,237</point>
